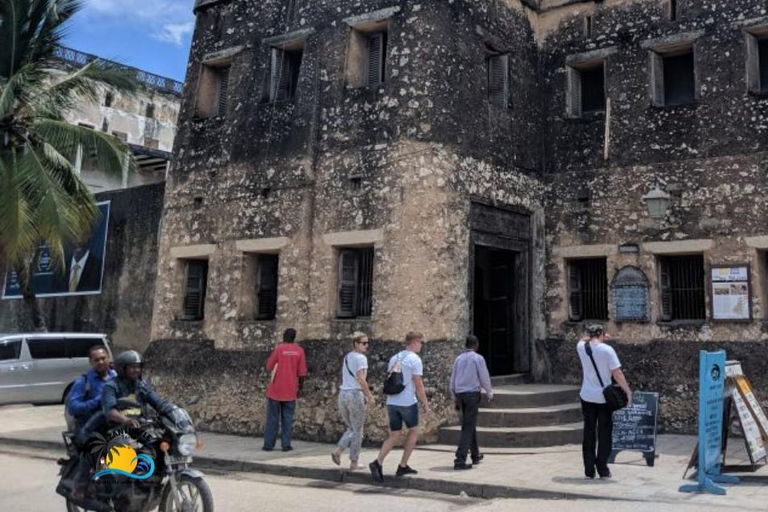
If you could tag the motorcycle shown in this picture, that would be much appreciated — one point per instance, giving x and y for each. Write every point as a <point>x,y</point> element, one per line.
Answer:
<point>136,469</point>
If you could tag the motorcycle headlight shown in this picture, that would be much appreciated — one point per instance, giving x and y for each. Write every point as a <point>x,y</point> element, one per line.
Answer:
<point>187,444</point>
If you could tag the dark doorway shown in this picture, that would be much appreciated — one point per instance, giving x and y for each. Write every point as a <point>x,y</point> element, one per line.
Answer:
<point>495,305</point>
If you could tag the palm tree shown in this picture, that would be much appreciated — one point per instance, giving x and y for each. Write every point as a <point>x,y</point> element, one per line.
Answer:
<point>42,197</point>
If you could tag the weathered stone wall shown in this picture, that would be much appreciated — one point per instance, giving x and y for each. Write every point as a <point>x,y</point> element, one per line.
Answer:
<point>123,310</point>
<point>670,368</point>
<point>225,390</point>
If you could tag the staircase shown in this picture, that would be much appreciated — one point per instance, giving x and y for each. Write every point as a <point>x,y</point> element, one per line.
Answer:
<point>526,415</point>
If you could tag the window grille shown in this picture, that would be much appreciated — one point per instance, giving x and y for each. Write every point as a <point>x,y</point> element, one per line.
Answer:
<point>681,288</point>
<point>588,289</point>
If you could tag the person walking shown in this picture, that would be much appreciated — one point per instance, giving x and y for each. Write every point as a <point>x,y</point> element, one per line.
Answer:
<point>403,408</point>
<point>288,366</point>
<point>469,376</point>
<point>354,397</point>
<point>595,354</point>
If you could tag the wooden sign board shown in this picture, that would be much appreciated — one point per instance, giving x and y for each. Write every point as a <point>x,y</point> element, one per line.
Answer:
<point>752,435</point>
<point>634,427</point>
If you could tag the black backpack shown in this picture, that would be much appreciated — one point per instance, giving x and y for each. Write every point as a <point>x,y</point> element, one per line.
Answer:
<point>394,384</point>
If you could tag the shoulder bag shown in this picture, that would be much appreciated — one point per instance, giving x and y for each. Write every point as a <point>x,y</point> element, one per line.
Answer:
<point>615,398</point>
<point>394,384</point>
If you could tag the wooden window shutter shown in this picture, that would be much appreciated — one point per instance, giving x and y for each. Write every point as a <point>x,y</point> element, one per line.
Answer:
<point>657,79</point>
<point>348,284</point>
<point>278,57</point>
<point>498,80</point>
<point>753,64</point>
<point>194,293</point>
<point>665,291</point>
<point>223,98</point>
<point>376,54</point>
<point>575,302</point>
<point>267,287</point>
<point>573,96</point>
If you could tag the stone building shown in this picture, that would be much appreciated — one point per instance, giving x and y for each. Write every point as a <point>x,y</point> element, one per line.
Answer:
<point>465,166</point>
<point>146,121</point>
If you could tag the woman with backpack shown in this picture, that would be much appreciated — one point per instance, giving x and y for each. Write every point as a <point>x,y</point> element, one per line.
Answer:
<point>354,396</point>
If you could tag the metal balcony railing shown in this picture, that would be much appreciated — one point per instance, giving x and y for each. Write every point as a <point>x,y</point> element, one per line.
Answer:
<point>151,80</point>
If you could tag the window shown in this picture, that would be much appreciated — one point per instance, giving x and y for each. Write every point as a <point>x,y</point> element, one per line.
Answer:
<point>588,27</point>
<point>108,99</point>
<point>284,73</point>
<point>588,289</point>
<point>121,135</point>
<point>151,143</point>
<point>105,125</point>
<point>757,61</point>
<point>672,10</point>
<point>79,347</point>
<point>213,90</point>
<point>681,288</point>
<point>49,348</point>
<point>355,287</point>
<point>673,78</point>
<point>367,55</point>
<point>150,112</point>
<point>498,80</point>
<point>586,89</point>
<point>266,286</point>
<point>10,350</point>
<point>194,290</point>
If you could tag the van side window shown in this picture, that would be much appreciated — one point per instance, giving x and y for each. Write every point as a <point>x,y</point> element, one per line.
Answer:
<point>10,350</point>
<point>47,348</point>
<point>79,347</point>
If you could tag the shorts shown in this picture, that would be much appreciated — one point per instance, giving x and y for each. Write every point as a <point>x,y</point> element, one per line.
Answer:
<point>399,414</point>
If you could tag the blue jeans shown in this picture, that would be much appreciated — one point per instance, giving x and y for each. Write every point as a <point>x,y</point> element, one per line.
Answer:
<point>279,414</point>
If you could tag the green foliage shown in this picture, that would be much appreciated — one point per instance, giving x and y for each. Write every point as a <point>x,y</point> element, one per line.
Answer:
<point>42,197</point>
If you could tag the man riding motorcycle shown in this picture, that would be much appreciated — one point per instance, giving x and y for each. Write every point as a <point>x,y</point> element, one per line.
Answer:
<point>129,384</point>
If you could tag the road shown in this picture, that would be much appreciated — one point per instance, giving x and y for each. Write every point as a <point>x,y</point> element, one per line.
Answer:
<point>29,479</point>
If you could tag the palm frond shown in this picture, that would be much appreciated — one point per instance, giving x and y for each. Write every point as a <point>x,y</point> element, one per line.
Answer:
<point>18,226</point>
<point>20,88</point>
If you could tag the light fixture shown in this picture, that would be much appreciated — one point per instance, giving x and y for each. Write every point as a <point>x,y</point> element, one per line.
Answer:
<point>657,201</point>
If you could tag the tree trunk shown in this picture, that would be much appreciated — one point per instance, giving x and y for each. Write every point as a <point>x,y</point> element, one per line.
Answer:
<point>28,294</point>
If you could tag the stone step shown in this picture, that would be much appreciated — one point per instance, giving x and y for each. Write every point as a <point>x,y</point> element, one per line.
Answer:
<point>517,378</point>
<point>570,433</point>
<point>530,417</point>
<point>526,396</point>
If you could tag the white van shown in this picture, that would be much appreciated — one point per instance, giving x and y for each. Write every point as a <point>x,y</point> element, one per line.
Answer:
<point>39,367</point>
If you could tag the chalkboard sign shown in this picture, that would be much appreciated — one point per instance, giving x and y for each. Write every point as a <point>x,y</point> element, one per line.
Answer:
<point>630,295</point>
<point>634,427</point>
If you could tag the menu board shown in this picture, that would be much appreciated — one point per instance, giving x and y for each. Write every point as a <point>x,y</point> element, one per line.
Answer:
<point>752,435</point>
<point>634,427</point>
<point>730,293</point>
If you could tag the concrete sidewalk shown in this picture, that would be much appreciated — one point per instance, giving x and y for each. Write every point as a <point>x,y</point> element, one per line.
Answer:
<point>550,473</point>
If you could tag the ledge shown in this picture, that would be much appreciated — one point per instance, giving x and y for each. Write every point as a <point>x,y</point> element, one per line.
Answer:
<point>593,56</point>
<point>673,42</point>
<point>264,245</point>
<point>585,251</point>
<point>678,247</point>
<point>371,17</point>
<point>352,238</point>
<point>193,251</point>
<point>757,242</point>
<point>222,55</point>
<point>288,37</point>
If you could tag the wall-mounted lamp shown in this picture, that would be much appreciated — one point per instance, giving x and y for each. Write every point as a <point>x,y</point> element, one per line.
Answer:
<point>657,201</point>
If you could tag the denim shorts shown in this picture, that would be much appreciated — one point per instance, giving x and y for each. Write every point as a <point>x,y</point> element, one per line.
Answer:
<point>399,414</point>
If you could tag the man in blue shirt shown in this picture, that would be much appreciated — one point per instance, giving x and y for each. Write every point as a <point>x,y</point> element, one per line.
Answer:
<point>85,396</point>
<point>469,376</point>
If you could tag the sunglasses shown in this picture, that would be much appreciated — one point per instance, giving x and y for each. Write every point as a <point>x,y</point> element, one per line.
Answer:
<point>363,342</point>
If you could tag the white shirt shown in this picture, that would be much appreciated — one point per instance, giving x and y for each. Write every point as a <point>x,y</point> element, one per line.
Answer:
<point>410,365</point>
<point>81,266</point>
<point>353,362</point>
<point>606,361</point>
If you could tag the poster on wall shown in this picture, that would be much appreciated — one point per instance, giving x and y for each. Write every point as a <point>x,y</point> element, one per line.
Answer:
<point>730,293</point>
<point>83,266</point>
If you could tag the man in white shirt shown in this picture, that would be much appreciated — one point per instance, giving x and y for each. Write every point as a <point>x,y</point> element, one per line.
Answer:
<point>598,419</point>
<point>403,408</point>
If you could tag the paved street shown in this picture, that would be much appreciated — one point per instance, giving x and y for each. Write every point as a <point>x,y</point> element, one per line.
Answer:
<point>29,479</point>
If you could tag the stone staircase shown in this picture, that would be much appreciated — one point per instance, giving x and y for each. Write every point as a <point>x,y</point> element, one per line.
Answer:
<point>526,415</point>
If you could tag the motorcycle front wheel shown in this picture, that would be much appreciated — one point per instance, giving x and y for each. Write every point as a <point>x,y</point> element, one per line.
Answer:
<point>194,495</point>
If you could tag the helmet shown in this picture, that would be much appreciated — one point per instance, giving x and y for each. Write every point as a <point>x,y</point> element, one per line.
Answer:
<point>126,358</point>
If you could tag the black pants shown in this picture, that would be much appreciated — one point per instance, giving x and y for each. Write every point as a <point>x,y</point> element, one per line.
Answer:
<point>597,420</point>
<point>469,403</point>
